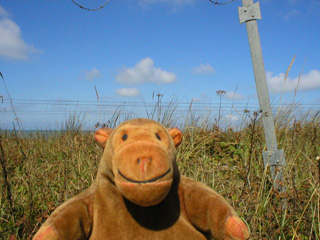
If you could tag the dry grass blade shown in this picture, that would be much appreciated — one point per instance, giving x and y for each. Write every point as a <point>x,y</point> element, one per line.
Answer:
<point>57,165</point>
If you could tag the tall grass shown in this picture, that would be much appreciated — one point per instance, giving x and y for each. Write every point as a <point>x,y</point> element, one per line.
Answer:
<point>42,170</point>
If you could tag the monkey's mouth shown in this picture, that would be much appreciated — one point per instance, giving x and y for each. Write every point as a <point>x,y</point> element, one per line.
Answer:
<point>145,181</point>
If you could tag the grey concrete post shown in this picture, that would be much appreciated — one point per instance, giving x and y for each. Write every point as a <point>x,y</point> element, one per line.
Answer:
<point>273,157</point>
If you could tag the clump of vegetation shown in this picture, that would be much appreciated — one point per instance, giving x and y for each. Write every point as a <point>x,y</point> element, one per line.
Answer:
<point>41,170</point>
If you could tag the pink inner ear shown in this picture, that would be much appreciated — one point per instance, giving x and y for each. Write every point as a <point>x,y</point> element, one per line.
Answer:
<point>176,135</point>
<point>101,136</point>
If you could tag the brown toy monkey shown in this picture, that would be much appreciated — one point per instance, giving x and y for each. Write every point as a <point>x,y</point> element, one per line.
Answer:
<point>139,194</point>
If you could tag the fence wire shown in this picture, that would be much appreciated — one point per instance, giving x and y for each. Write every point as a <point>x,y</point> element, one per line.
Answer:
<point>91,9</point>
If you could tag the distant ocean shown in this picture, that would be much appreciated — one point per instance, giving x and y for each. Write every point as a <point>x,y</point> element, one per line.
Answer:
<point>34,133</point>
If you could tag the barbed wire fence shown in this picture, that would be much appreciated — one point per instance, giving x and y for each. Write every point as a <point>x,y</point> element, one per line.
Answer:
<point>91,9</point>
<point>221,3</point>
<point>106,2</point>
<point>223,113</point>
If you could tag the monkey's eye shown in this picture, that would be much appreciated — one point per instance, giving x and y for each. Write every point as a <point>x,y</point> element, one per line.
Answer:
<point>158,136</point>
<point>125,137</point>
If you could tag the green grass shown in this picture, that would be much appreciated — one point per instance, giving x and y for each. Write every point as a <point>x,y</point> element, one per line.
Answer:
<point>41,171</point>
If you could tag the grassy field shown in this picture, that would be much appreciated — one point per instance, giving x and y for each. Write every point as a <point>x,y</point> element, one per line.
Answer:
<point>40,171</point>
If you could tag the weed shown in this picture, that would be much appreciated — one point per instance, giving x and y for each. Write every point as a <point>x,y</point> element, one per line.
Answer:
<point>42,170</point>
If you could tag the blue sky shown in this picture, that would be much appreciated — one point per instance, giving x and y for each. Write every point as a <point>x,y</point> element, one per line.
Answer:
<point>53,55</point>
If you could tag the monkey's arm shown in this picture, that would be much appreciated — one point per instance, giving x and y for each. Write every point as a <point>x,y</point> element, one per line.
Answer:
<point>71,220</point>
<point>210,213</point>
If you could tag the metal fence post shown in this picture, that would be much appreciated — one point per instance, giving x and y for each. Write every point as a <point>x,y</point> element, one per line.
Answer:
<point>273,158</point>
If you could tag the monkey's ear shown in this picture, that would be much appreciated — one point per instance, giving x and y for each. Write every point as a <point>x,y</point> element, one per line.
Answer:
<point>101,136</point>
<point>176,135</point>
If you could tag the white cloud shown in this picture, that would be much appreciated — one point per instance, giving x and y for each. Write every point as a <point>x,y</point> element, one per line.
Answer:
<point>203,69</point>
<point>92,74</point>
<point>144,71</point>
<point>291,14</point>
<point>232,117</point>
<point>3,12</point>
<point>11,43</point>
<point>233,96</point>
<point>196,99</point>
<point>128,92</point>
<point>308,81</point>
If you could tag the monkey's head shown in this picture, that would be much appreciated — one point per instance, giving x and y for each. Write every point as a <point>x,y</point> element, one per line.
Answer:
<point>139,158</point>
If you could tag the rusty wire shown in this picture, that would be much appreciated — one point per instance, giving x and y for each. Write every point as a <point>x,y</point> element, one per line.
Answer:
<point>90,9</point>
<point>221,3</point>
<point>103,5</point>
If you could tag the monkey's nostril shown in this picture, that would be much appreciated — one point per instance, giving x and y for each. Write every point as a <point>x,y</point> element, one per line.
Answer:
<point>146,159</point>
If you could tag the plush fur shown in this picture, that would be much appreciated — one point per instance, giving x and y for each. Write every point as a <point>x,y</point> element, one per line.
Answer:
<point>139,194</point>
